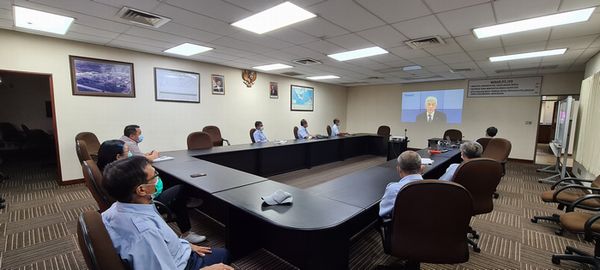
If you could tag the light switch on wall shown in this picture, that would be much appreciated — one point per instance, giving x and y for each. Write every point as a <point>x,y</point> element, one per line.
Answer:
<point>528,123</point>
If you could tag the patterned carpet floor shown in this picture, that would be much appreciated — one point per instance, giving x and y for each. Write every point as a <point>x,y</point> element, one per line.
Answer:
<point>38,227</point>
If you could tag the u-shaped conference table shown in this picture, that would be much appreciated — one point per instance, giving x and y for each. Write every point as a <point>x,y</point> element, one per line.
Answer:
<point>315,231</point>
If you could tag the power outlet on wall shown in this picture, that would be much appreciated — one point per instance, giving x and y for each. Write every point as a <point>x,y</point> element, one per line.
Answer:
<point>528,123</point>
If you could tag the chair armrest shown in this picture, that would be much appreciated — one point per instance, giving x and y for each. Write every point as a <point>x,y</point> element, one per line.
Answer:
<point>227,141</point>
<point>576,203</point>
<point>588,232</point>
<point>573,180</point>
<point>573,186</point>
<point>161,206</point>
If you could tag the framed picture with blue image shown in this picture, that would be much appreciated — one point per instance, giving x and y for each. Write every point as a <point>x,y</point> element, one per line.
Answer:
<point>99,77</point>
<point>302,98</point>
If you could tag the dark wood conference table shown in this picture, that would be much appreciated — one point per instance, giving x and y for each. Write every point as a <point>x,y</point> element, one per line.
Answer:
<point>314,231</point>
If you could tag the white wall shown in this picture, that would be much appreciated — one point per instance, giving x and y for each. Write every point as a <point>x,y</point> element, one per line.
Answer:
<point>165,124</point>
<point>372,106</point>
<point>592,66</point>
<point>23,101</point>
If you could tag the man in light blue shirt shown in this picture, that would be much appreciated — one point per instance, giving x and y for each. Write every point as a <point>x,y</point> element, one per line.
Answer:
<point>335,129</point>
<point>258,135</point>
<point>468,150</point>
<point>140,236</point>
<point>303,130</point>
<point>409,168</point>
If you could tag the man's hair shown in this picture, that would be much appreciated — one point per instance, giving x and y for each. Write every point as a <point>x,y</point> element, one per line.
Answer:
<point>123,176</point>
<point>409,162</point>
<point>302,122</point>
<point>130,130</point>
<point>431,98</point>
<point>108,152</point>
<point>335,121</point>
<point>257,123</point>
<point>491,131</point>
<point>471,149</point>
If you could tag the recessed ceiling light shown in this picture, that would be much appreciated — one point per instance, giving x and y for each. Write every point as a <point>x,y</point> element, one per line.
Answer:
<point>409,68</point>
<point>534,23</point>
<point>323,77</point>
<point>527,55</point>
<point>276,17</point>
<point>366,52</point>
<point>41,21</point>
<point>187,49</point>
<point>272,67</point>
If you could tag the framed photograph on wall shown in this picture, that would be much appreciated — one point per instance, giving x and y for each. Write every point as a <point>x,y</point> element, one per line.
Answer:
<point>273,90</point>
<point>176,85</point>
<point>218,84</point>
<point>302,98</point>
<point>99,77</point>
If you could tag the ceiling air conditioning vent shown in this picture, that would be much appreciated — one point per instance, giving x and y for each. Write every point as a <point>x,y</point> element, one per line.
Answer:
<point>307,61</point>
<point>142,17</point>
<point>291,73</point>
<point>425,42</point>
<point>421,78</point>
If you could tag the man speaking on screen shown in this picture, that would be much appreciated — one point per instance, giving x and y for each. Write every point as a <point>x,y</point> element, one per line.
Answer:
<point>431,115</point>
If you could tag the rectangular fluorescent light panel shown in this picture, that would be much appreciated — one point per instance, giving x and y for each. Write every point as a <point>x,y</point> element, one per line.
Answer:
<point>272,67</point>
<point>527,55</point>
<point>41,21</point>
<point>409,68</point>
<point>188,49</point>
<point>366,52</point>
<point>324,77</point>
<point>534,23</point>
<point>276,17</point>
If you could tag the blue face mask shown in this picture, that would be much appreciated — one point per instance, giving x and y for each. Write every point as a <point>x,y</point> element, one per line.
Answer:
<point>158,186</point>
<point>140,139</point>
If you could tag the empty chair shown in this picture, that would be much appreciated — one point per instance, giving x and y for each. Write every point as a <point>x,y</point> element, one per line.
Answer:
<point>296,133</point>
<point>383,131</point>
<point>455,135</point>
<point>93,181</point>
<point>429,224</point>
<point>498,149</point>
<point>329,130</point>
<point>480,176</point>
<point>95,243</point>
<point>252,135</point>
<point>81,150</point>
<point>484,142</point>
<point>199,140</point>
<point>215,135</point>
<point>91,141</point>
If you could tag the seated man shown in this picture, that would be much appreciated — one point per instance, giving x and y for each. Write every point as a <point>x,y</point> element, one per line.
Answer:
<point>259,135</point>
<point>132,136</point>
<point>409,168</point>
<point>335,129</point>
<point>175,198</point>
<point>468,150</point>
<point>139,234</point>
<point>303,130</point>
<point>491,132</point>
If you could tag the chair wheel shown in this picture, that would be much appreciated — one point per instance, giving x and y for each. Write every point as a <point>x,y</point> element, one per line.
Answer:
<point>477,249</point>
<point>476,236</point>
<point>555,260</point>
<point>568,251</point>
<point>558,232</point>
<point>534,220</point>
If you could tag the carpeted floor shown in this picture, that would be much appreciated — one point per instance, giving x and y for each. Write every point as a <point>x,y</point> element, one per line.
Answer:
<point>38,227</point>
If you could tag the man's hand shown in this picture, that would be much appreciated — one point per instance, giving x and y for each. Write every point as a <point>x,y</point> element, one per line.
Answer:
<point>201,250</point>
<point>152,155</point>
<point>218,266</point>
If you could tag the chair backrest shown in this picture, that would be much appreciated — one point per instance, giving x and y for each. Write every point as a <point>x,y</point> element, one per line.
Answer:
<point>480,176</point>
<point>484,142</point>
<point>95,243</point>
<point>215,135</point>
<point>252,135</point>
<point>383,131</point>
<point>498,149</point>
<point>82,152</point>
<point>454,134</point>
<point>329,130</point>
<point>91,141</point>
<point>93,181</point>
<point>430,222</point>
<point>199,140</point>
<point>296,133</point>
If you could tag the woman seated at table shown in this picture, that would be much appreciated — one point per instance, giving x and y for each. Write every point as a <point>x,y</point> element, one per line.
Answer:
<point>175,197</point>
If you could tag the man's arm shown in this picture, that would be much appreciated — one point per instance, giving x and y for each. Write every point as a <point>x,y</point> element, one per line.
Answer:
<point>152,155</point>
<point>387,201</point>
<point>151,252</point>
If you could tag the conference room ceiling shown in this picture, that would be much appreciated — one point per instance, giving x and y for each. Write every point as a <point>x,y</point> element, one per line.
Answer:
<point>341,25</point>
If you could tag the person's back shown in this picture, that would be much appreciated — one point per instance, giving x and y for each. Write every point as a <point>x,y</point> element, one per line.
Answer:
<point>468,150</point>
<point>409,168</point>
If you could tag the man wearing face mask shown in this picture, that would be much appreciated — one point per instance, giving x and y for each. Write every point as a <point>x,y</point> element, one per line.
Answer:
<point>132,136</point>
<point>140,236</point>
<point>259,135</point>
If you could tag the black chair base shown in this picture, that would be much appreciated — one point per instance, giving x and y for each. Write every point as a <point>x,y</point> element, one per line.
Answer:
<point>553,218</point>
<point>576,255</point>
<point>407,265</point>
<point>473,235</point>
<point>496,195</point>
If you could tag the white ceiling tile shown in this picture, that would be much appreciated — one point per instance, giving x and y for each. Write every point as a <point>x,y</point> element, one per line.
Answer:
<point>523,48</point>
<point>213,8</point>
<point>450,47</point>
<point>399,63</point>
<point>6,24</point>
<point>5,4</point>
<point>487,65</point>
<point>367,63</point>
<point>592,26</point>
<point>436,69</point>
<point>526,37</point>
<point>396,10</point>
<point>596,43</point>
<point>443,5</point>
<point>325,47</point>
<point>462,21</point>
<point>219,55</point>
<point>569,55</point>
<point>387,58</point>
<point>408,52</point>
<point>151,42</point>
<point>82,29</point>
<point>291,35</point>
<point>190,32</point>
<point>347,14</point>
<point>426,61</point>
<point>572,43</point>
<point>514,10</point>
<point>385,36</point>
<point>471,43</point>
<point>351,42</point>
<point>454,58</point>
<point>470,64</point>
<point>560,64</point>
<point>256,5</point>
<point>240,45</point>
<point>144,47</point>
<point>194,20</point>
<point>107,25</point>
<point>524,63</point>
<point>588,53</point>
<point>320,28</point>
<point>98,9</point>
<point>578,4</point>
<point>145,5</point>
<point>486,54</point>
<point>87,38</point>
<point>6,14</point>
<point>421,27</point>
<point>301,52</point>
<point>156,35</point>
<point>261,40</point>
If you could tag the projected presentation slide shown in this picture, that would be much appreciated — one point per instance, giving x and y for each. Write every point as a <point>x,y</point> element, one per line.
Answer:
<point>431,107</point>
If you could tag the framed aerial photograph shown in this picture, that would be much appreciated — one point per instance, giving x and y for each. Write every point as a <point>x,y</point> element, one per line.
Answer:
<point>302,98</point>
<point>273,90</point>
<point>218,84</point>
<point>176,85</point>
<point>99,77</point>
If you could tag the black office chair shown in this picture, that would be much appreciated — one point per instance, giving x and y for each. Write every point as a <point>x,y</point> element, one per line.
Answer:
<point>252,130</point>
<point>296,133</point>
<point>329,130</point>
<point>455,135</point>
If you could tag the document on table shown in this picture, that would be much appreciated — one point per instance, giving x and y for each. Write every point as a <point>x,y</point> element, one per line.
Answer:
<point>426,161</point>
<point>163,158</point>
